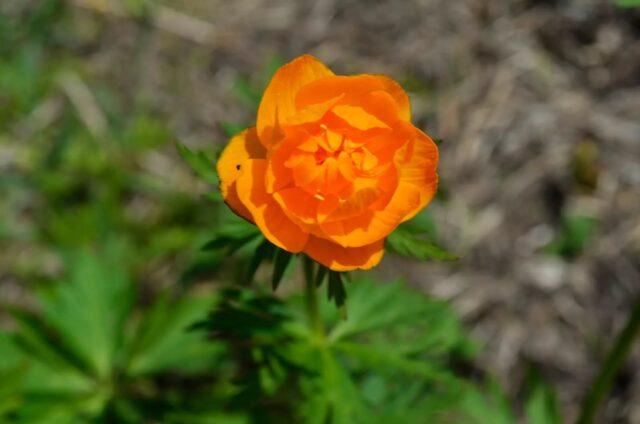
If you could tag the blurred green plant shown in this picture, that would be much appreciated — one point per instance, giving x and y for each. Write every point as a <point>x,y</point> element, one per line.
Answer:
<point>87,354</point>
<point>574,234</point>
<point>394,359</point>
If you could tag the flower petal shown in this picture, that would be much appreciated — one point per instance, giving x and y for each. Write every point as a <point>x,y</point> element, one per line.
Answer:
<point>420,170</point>
<point>372,226</point>
<point>398,94</point>
<point>241,147</point>
<point>357,117</point>
<point>266,212</point>
<point>354,88</point>
<point>298,204</point>
<point>340,258</point>
<point>278,101</point>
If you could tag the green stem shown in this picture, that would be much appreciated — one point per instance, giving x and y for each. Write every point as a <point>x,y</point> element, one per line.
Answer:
<point>611,367</point>
<point>311,300</point>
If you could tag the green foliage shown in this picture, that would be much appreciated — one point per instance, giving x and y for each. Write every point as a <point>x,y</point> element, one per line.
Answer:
<point>574,235</point>
<point>86,354</point>
<point>541,406</point>
<point>335,289</point>
<point>407,243</point>
<point>231,129</point>
<point>388,362</point>
<point>280,264</point>
<point>202,165</point>
<point>416,239</point>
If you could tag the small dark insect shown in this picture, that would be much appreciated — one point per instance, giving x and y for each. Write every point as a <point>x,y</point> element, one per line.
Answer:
<point>238,167</point>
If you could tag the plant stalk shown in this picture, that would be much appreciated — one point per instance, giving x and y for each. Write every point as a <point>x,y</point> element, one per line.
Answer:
<point>311,300</point>
<point>610,368</point>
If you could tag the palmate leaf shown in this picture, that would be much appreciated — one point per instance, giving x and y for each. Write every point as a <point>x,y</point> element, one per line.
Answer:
<point>407,243</point>
<point>164,342</point>
<point>232,234</point>
<point>89,310</point>
<point>40,384</point>
<point>202,165</point>
<point>392,310</point>
<point>394,336</point>
<point>49,369</point>
<point>331,394</point>
<point>253,327</point>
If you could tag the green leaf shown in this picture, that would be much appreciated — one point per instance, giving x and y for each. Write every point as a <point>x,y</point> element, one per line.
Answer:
<point>265,251</point>
<point>229,243</point>
<point>232,234</point>
<point>89,310</point>
<point>485,405</point>
<point>322,272</point>
<point>422,224</point>
<point>165,343</point>
<point>395,315</point>
<point>542,406</point>
<point>48,370</point>
<point>199,163</point>
<point>378,356</point>
<point>331,394</point>
<point>245,93</point>
<point>407,244</point>
<point>231,129</point>
<point>281,262</point>
<point>337,292</point>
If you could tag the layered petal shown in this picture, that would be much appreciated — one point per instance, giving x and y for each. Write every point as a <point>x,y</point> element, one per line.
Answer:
<point>373,226</point>
<point>420,170</point>
<point>265,210</point>
<point>353,90</point>
<point>242,147</point>
<point>278,100</point>
<point>340,258</point>
<point>333,166</point>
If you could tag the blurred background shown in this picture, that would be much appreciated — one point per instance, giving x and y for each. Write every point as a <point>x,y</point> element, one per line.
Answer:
<point>536,104</point>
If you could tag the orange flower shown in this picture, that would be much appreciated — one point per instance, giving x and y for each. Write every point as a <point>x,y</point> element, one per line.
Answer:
<point>332,166</point>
